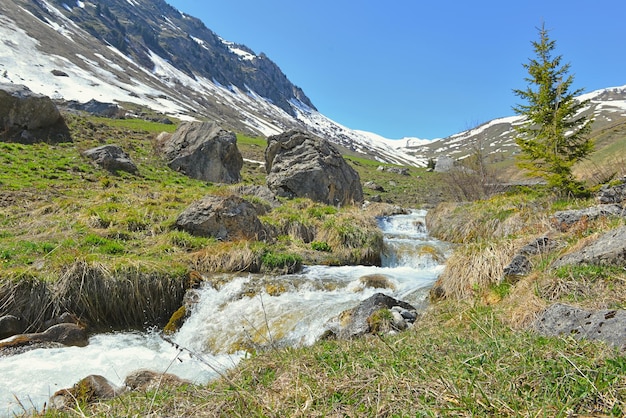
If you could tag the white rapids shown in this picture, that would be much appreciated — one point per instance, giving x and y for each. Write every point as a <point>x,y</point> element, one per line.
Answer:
<point>290,310</point>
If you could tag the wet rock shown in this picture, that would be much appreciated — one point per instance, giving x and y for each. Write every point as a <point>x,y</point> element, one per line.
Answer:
<point>65,334</point>
<point>112,158</point>
<point>91,389</point>
<point>204,151</point>
<point>365,318</point>
<point>609,249</point>
<point>604,325</point>
<point>145,380</point>
<point>225,218</point>
<point>299,164</point>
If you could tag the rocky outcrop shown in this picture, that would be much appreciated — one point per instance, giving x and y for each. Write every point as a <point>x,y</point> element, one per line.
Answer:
<point>28,117</point>
<point>204,151</point>
<point>566,219</point>
<point>94,107</point>
<point>605,325</point>
<point>521,264</point>
<point>378,313</point>
<point>612,194</point>
<point>112,158</point>
<point>609,249</point>
<point>224,218</point>
<point>299,164</point>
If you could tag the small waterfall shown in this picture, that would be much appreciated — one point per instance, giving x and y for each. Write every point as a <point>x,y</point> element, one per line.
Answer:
<point>245,313</point>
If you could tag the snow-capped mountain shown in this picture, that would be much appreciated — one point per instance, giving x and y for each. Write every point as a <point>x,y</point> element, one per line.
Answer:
<point>148,53</point>
<point>496,138</point>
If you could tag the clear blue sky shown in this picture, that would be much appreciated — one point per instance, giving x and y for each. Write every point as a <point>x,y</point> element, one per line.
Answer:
<point>424,69</point>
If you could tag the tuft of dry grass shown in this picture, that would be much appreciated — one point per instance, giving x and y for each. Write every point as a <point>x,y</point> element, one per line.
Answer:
<point>474,267</point>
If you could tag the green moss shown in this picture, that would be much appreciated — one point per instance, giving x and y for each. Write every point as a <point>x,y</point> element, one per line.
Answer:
<point>176,321</point>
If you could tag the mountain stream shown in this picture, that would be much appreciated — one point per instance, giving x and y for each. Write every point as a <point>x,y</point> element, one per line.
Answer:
<point>245,312</point>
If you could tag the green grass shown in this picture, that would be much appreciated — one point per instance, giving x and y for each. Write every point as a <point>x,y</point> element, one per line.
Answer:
<point>460,361</point>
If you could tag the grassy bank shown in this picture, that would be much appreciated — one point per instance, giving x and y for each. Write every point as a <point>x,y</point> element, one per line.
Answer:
<point>469,355</point>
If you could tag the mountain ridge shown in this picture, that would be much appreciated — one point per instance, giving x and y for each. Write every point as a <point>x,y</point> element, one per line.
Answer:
<point>150,54</point>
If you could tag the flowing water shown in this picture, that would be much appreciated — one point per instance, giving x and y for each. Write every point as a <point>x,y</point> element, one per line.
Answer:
<point>240,314</point>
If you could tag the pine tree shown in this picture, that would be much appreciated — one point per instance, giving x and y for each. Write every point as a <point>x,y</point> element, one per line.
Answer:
<point>554,134</point>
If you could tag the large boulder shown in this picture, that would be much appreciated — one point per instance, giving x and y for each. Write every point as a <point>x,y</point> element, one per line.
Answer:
<point>29,117</point>
<point>112,158</point>
<point>608,249</point>
<point>299,164</point>
<point>225,218</point>
<point>605,325</point>
<point>204,151</point>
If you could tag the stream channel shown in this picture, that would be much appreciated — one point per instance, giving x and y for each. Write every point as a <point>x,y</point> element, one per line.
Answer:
<point>248,311</point>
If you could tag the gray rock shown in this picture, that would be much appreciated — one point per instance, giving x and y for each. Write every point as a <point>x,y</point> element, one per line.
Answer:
<point>20,107</point>
<point>10,325</point>
<point>612,194</point>
<point>539,246</point>
<point>112,158</point>
<point>444,164</point>
<point>398,170</point>
<point>609,249</point>
<point>262,193</point>
<point>302,165</point>
<point>204,151</point>
<point>565,219</point>
<point>354,322</point>
<point>374,186</point>
<point>28,117</point>
<point>604,325</point>
<point>225,218</point>
<point>518,267</point>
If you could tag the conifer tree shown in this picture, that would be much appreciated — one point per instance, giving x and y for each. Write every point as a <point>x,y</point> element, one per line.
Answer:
<point>554,134</point>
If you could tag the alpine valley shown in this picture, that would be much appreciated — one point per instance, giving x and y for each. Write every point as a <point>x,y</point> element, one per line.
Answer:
<point>145,54</point>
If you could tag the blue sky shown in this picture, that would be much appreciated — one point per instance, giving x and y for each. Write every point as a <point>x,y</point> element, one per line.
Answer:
<point>411,68</point>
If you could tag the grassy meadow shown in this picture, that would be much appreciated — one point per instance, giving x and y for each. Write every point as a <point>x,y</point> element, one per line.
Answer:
<point>471,354</point>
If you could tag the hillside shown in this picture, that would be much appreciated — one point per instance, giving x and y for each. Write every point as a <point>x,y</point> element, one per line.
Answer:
<point>147,55</point>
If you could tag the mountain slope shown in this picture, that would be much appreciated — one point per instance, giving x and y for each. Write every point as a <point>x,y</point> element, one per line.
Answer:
<point>148,53</point>
<point>496,139</point>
